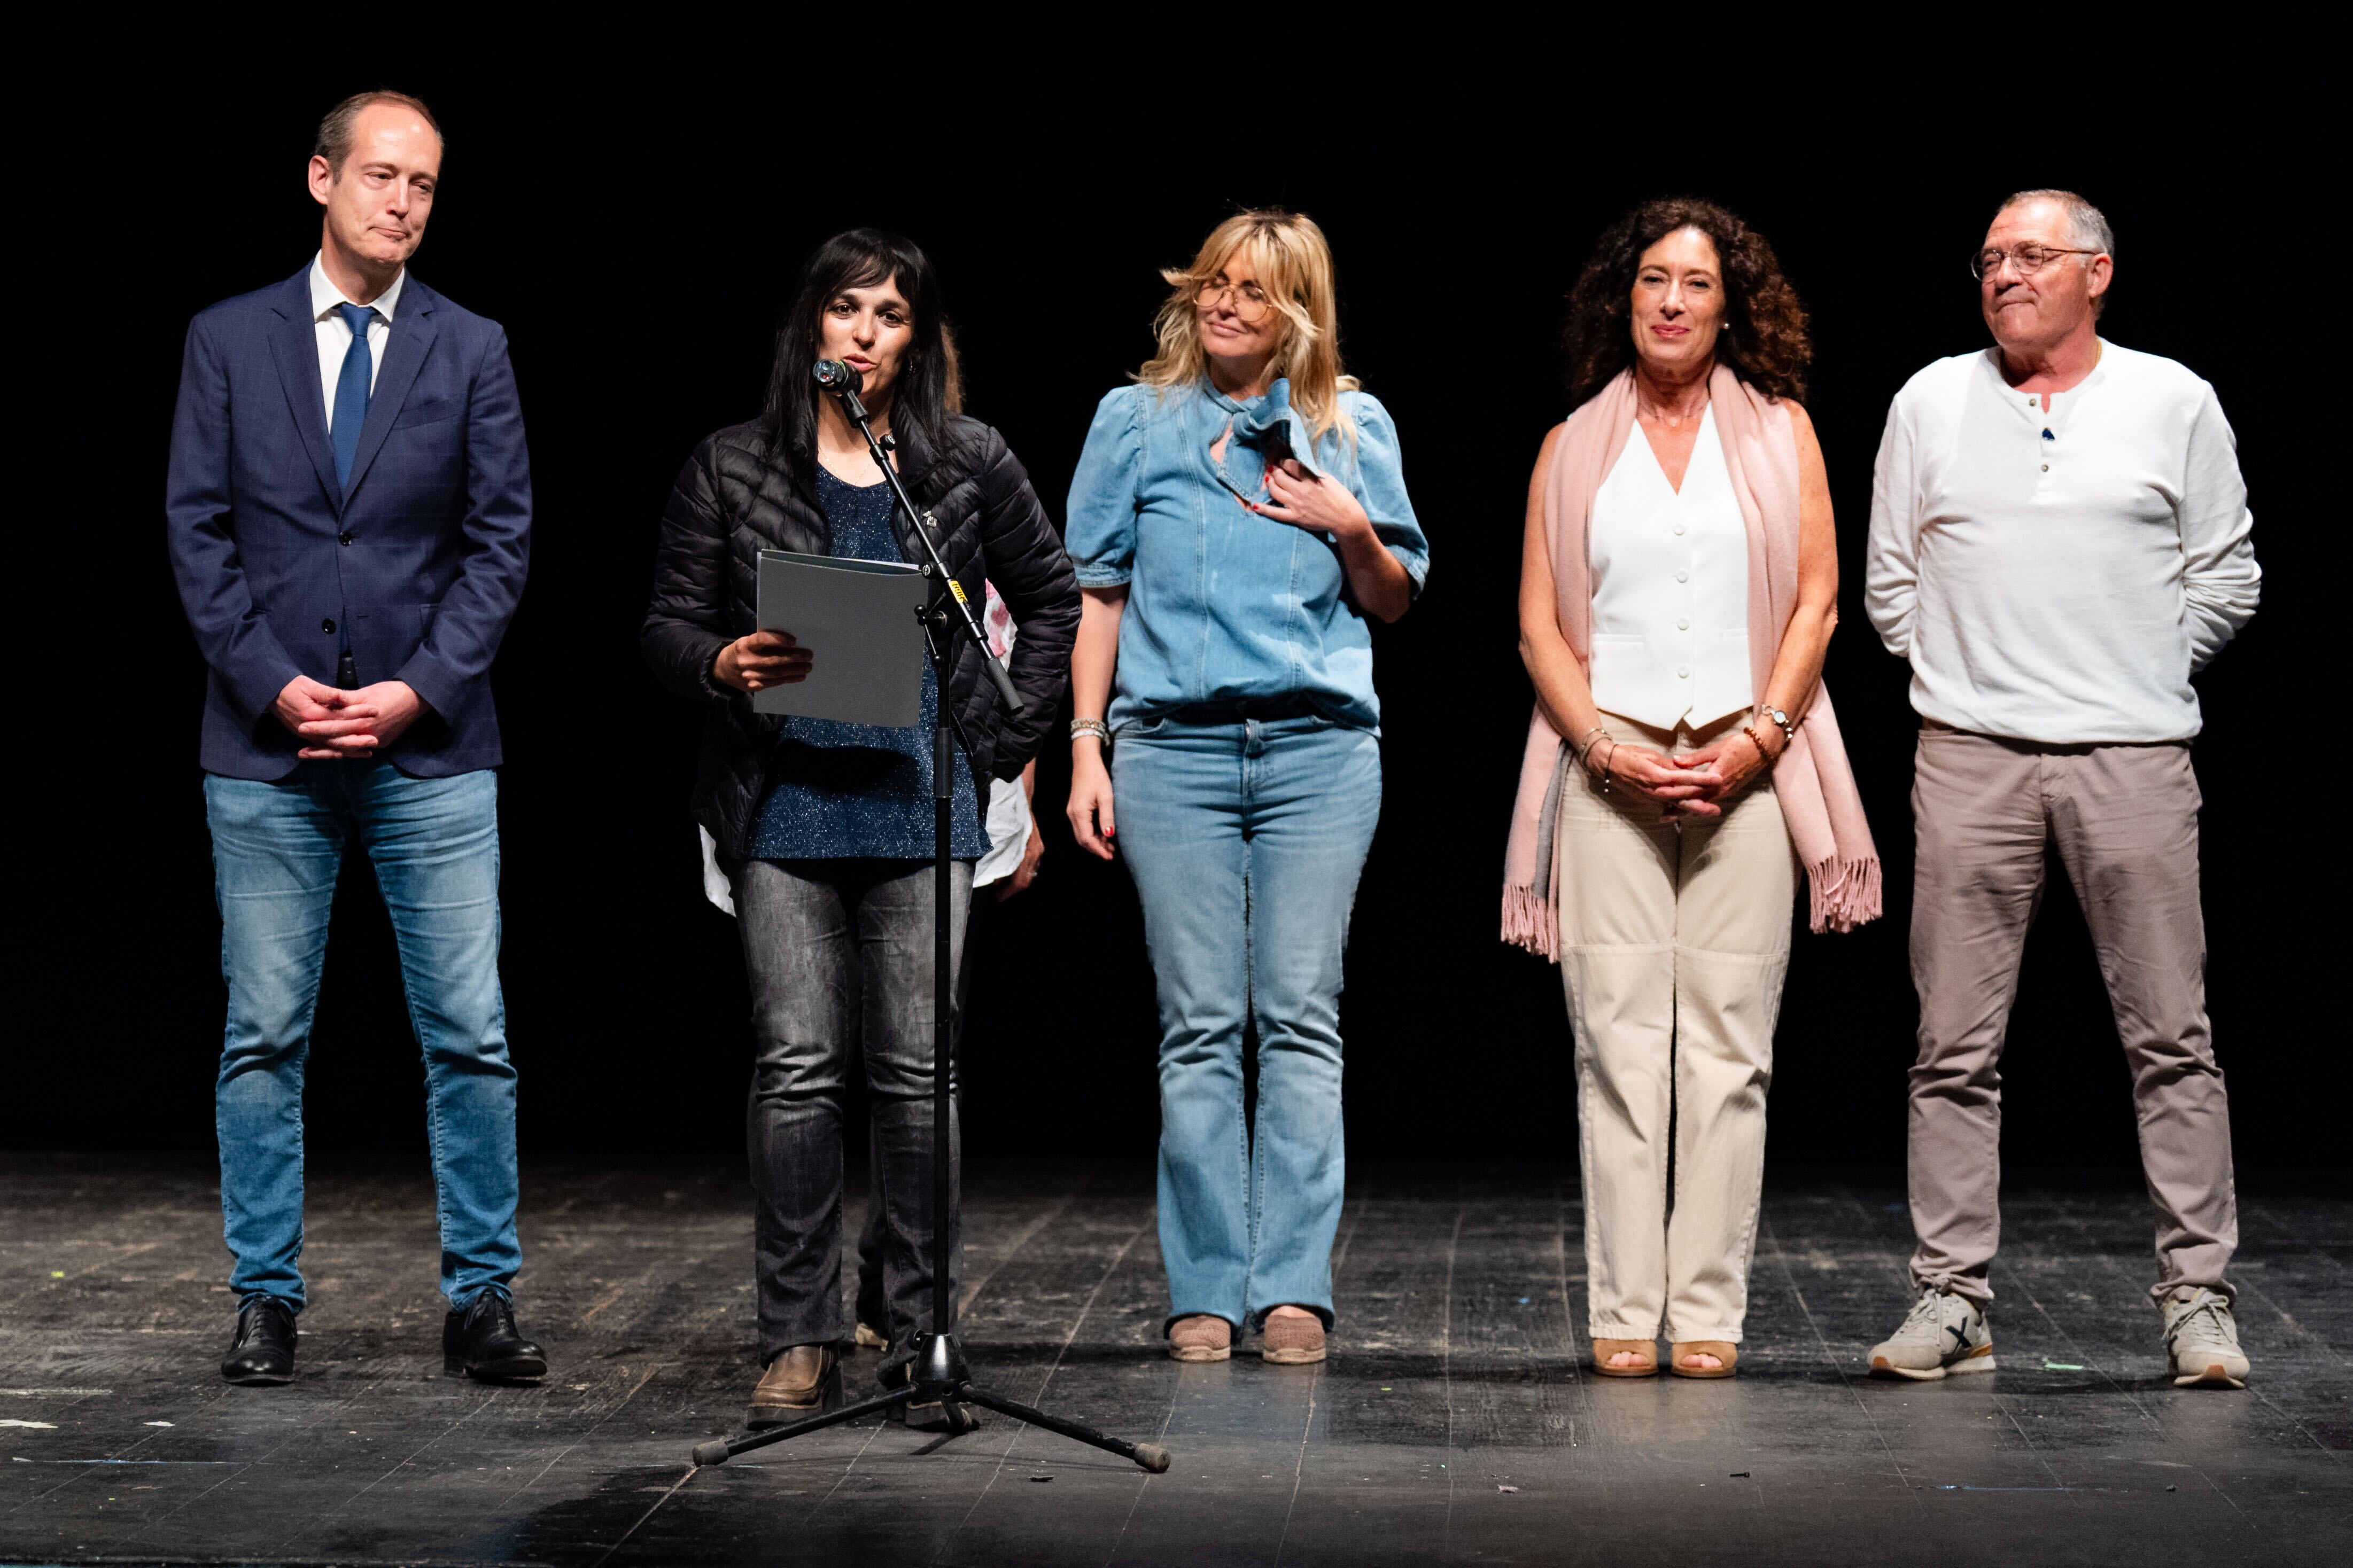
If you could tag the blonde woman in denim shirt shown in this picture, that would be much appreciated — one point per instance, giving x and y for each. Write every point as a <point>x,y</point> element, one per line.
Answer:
<point>1237,515</point>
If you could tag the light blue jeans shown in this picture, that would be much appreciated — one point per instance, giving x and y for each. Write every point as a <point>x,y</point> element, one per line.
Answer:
<point>1246,839</point>
<point>277,848</point>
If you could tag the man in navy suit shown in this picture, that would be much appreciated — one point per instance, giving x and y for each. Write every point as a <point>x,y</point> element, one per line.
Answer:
<point>349,513</point>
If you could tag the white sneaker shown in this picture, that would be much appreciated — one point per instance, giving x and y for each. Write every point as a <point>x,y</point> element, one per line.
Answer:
<point>1943,1335</point>
<point>2202,1341</point>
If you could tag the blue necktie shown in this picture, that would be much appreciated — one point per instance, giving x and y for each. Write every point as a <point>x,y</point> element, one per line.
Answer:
<point>352,391</point>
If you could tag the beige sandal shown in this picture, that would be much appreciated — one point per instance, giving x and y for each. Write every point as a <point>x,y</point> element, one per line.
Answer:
<point>1646,1348</point>
<point>1723,1351</point>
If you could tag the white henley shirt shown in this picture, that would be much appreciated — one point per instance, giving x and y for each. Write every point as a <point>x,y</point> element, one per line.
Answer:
<point>2058,576</point>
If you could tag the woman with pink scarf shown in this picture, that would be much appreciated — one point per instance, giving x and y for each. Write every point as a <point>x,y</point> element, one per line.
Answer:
<point>1677,594</point>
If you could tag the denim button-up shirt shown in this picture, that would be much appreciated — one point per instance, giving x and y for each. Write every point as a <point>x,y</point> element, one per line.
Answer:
<point>1224,604</point>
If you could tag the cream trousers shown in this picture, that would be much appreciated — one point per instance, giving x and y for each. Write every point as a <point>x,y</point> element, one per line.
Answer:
<point>1675,939</point>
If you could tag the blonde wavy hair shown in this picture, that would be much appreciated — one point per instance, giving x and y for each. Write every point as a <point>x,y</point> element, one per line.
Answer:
<point>1293,263</point>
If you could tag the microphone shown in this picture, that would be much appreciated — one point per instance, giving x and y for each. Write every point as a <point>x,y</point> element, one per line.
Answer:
<point>845,383</point>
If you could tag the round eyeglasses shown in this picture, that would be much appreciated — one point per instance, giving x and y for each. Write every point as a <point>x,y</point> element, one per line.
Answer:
<point>1250,301</point>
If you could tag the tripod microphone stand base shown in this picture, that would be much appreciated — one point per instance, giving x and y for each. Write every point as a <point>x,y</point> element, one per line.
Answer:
<point>938,1374</point>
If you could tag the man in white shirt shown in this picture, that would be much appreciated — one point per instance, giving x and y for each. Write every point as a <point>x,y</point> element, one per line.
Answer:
<point>2059,539</point>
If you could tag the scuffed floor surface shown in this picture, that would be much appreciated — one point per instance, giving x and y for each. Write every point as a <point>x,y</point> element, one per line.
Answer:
<point>1454,1421</point>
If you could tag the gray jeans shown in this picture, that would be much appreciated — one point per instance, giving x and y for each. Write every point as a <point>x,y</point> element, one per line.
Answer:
<point>839,953</point>
<point>2124,819</point>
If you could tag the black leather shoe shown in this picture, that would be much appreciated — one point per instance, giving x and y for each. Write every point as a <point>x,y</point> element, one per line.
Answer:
<point>262,1350</point>
<point>480,1339</point>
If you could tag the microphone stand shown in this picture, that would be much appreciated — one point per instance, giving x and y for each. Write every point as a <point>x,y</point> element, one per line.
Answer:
<point>939,1372</point>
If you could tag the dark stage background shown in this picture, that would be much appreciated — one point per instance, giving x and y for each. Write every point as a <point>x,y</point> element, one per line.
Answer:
<point>637,245</point>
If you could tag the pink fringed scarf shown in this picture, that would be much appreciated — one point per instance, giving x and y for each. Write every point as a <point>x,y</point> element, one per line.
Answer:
<point>1819,800</point>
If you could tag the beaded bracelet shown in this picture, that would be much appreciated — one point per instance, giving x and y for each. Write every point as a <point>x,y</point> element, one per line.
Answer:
<point>1095,727</point>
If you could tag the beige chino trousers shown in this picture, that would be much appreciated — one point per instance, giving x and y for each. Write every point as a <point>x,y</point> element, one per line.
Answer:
<point>1674,938</point>
<point>2124,821</point>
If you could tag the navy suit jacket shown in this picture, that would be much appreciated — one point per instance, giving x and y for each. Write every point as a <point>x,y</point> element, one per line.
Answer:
<point>419,562</point>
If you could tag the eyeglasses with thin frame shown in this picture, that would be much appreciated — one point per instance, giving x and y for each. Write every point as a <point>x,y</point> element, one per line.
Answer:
<point>2028,258</point>
<point>1250,301</point>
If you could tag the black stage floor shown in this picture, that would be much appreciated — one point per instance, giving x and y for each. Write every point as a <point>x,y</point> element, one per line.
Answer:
<point>1454,1421</point>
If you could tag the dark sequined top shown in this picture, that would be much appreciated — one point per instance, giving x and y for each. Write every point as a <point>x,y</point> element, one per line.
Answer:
<point>842,791</point>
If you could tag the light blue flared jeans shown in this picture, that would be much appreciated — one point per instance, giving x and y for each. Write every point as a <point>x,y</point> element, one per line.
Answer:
<point>1246,839</point>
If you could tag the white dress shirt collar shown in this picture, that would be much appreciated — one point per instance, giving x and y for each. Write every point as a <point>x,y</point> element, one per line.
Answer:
<point>326,296</point>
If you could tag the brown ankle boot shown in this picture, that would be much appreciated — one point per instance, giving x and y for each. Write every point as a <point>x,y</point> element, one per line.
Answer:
<point>803,1381</point>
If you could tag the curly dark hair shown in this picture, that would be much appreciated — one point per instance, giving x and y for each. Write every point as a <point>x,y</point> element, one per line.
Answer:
<point>1764,334</point>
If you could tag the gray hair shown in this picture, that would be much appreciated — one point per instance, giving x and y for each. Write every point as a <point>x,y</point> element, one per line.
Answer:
<point>2087,225</point>
<point>334,143</point>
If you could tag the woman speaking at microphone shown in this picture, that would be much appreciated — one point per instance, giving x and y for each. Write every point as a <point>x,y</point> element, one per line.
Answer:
<point>825,830</point>
<point>1237,515</point>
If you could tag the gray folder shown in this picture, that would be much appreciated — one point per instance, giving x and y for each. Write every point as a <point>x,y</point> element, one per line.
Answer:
<point>858,620</point>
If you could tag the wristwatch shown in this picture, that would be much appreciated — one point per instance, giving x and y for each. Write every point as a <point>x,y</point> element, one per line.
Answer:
<point>1781,720</point>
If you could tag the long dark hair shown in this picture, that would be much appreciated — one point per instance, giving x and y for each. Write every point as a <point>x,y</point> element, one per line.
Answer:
<point>1764,334</point>
<point>922,395</point>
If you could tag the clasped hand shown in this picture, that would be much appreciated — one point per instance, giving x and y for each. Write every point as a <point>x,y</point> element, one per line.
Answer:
<point>331,723</point>
<point>1696,784</point>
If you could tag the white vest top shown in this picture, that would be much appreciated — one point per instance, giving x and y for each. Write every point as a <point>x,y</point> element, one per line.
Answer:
<point>1669,588</point>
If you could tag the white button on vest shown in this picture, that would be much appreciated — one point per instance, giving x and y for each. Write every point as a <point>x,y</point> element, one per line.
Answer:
<point>1683,672</point>
<point>1681,624</point>
<point>1682,576</point>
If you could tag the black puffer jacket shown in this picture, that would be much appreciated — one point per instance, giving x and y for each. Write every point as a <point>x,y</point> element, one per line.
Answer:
<point>731,502</point>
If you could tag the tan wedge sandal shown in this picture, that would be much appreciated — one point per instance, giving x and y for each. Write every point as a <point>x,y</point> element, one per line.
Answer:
<point>1727,1353</point>
<point>1646,1348</point>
